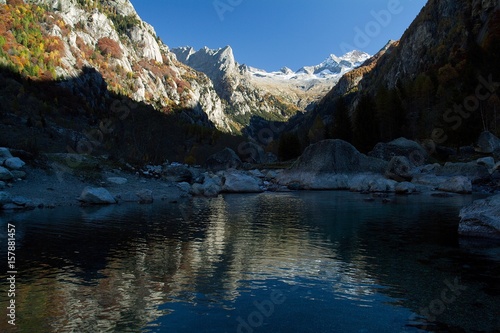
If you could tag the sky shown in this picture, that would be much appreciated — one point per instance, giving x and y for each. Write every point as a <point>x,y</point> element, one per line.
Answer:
<point>271,34</point>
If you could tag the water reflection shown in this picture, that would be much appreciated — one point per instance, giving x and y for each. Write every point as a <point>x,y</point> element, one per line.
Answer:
<point>340,263</point>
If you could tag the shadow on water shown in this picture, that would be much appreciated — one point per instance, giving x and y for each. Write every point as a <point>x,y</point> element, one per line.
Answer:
<point>307,261</point>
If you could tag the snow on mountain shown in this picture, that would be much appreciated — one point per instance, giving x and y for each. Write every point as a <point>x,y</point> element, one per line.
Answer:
<point>332,68</point>
<point>309,84</point>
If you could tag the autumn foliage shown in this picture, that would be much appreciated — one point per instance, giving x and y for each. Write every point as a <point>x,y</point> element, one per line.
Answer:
<point>110,48</point>
<point>25,44</point>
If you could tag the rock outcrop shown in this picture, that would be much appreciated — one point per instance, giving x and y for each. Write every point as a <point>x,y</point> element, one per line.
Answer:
<point>337,157</point>
<point>327,164</point>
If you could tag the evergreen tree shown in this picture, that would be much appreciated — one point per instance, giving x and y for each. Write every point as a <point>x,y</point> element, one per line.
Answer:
<point>341,127</point>
<point>366,124</point>
<point>317,131</point>
<point>289,146</point>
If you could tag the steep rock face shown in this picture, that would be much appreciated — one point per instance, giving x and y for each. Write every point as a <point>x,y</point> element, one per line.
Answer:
<point>233,85</point>
<point>449,25</point>
<point>110,37</point>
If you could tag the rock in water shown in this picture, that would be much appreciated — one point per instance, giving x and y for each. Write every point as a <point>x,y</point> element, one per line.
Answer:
<point>145,196</point>
<point>240,182</point>
<point>481,218</point>
<point>96,196</point>
<point>459,184</point>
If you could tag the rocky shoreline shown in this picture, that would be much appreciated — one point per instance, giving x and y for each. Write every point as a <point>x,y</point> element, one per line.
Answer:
<point>397,168</point>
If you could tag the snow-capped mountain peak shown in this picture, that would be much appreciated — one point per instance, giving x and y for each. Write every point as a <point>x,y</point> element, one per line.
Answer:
<point>332,68</point>
<point>334,65</point>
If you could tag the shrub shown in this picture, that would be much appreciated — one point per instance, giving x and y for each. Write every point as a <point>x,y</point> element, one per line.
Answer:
<point>109,47</point>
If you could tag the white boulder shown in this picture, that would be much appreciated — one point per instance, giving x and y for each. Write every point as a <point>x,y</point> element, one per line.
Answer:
<point>96,196</point>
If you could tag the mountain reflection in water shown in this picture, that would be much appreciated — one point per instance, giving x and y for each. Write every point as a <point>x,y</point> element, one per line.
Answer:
<point>294,262</point>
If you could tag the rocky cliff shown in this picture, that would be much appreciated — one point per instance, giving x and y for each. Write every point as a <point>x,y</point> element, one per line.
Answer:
<point>110,37</point>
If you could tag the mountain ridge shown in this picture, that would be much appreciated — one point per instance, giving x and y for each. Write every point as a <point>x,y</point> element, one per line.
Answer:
<point>302,88</point>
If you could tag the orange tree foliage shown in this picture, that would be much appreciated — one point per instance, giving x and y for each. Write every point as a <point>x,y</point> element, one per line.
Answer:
<point>109,47</point>
<point>24,43</point>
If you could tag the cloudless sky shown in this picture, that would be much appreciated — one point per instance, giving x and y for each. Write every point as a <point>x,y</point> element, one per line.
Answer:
<point>270,34</point>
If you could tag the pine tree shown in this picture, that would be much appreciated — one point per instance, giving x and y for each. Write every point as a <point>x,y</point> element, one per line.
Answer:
<point>341,126</point>
<point>366,124</point>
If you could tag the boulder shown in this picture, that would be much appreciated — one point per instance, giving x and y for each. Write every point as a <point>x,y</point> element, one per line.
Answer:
<point>405,188</point>
<point>481,218</point>
<point>240,182</point>
<point>472,170</point>
<point>429,180</point>
<point>177,174</point>
<point>314,181</point>
<point>401,147</point>
<point>14,163</point>
<point>399,169</point>
<point>117,180</point>
<point>371,183</point>
<point>223,160</point>
<point>427,169</point>
<point>145,196</point>
<point>184,187</point>
<point>488,162</point>
<point>4,154</point>
<point>20,201</point>
<point>211,187</point>
<point>459,184</point>
<point>336,157</point>
<point>487,143</point>
<point>96,196</point>
<point>5,198</point>
<point>257,173</point>
<point>5,174</point>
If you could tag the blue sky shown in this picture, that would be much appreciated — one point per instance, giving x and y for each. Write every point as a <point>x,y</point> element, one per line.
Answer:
<point>270,34</point>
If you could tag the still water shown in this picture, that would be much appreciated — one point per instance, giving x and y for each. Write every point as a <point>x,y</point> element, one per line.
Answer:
<point>294,262</point>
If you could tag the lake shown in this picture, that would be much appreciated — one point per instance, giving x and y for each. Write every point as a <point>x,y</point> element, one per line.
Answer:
<point>289,262</point>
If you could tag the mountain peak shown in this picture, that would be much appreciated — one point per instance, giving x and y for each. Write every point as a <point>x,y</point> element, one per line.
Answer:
<point>334,65</point>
